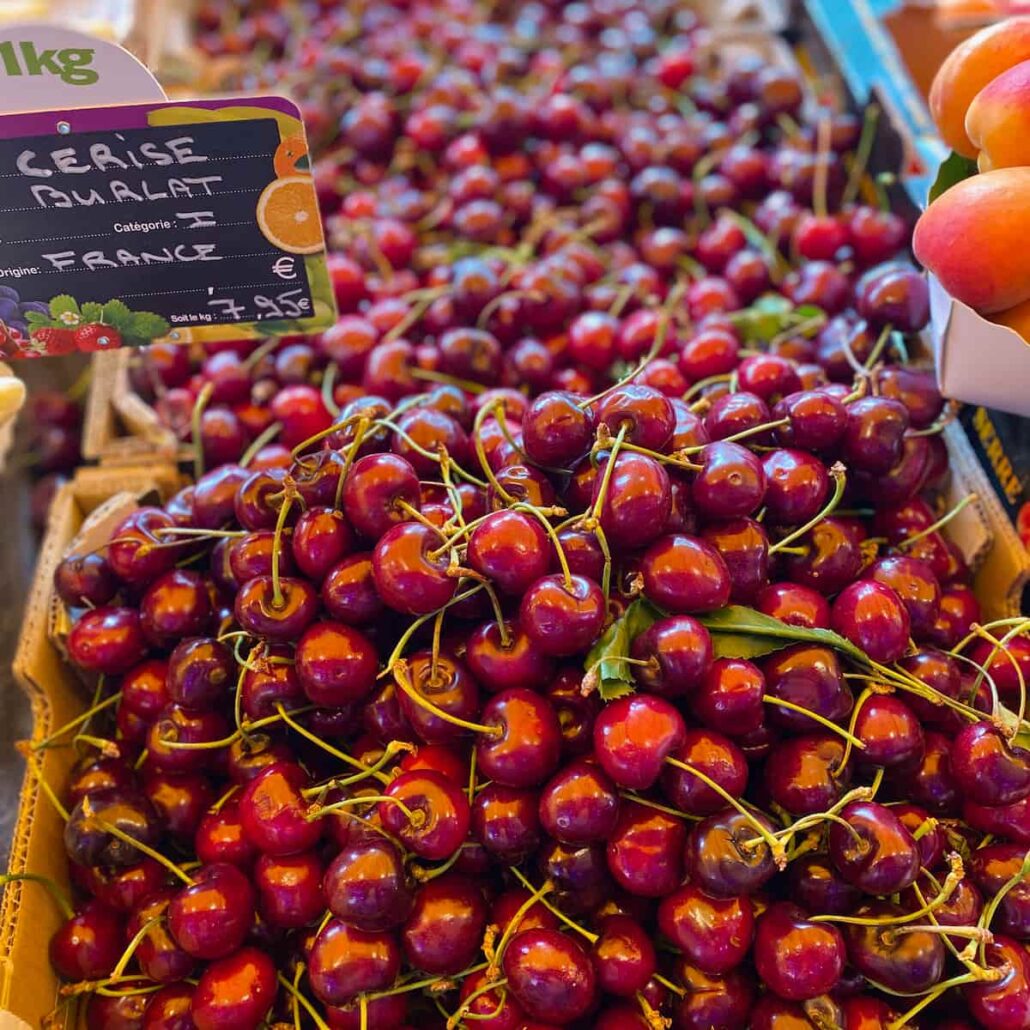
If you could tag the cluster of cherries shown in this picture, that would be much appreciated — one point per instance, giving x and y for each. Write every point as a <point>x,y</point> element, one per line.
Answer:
<point>51,449</point>
<point>568,636</point>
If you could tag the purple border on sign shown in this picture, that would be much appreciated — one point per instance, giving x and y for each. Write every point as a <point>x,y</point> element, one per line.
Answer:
<point>129,116</point>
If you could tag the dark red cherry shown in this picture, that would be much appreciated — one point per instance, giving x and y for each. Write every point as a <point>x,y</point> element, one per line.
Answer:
<point>259,611</point>
<point>623,956</point>
<point>321,538</point>
<point>511,548</point>
<point>210,917</point>
<point>556,430</point>
<point>678,651</point>
<point>499,666</point>
<point>169,1008</point>
<point>143,688</point>
<point>988,769</point>
<point>444,681</point>
<point>366,886</point>
<point>107,640</point>
<point>645,416</point>
<point>734,413</point>
<point>85,580</point>
<point>797,485</point>
<point>909,962</point>
<point>717,758</point>
<point>991,868</point>
<point>87,838</point>
<point>873,435</point>
<point>744,547</point>
<point>730,483</point>
<point>176,725</point>
<point>274,813</point>
<point>645,851</point>
<point>796,958</point>
<point>806,774</point>
<point>794,604</point>
<point>526,746</point>
<point>636,502</point>
<point>490,1008</point>
<point>915,584</point>
<point>377,488</point>
<point>831,560</point>
<point>562,618</point>
<point>729,697</point>
<point>808,676</point>
<point>712,1000</point>
<point>345,961</point>
<point>220,837</point>
<point>440,813</point>
<point>817,886</point>
<point>550,975</point>
<point>506,822</point>
<point>713,933</point>
<point>444,931</point>
<point>726,856</point>
<point>890,731</point>
<point>634,735</point>
<point>88,945</point>
<point>348,591</point>
<point>235,991</point>
<point>684,575</point>
<point>1005,1003</point>
<point>180,800</point>
<point>200,671</point>
<point>580,874</point>
<point>410,572</point>
<point>873,618</point>
<point>138,551</point>
<point>880,857</point>
<point>335,664</point>
<point>579,804</point>
<point>289,889</point>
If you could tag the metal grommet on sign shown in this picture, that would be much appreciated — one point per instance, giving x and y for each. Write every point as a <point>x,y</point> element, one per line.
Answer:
<point>64,128</point>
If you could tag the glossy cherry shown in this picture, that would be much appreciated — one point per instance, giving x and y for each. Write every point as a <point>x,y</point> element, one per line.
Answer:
<point>442,935</point>
<point>550,975</point>
<point>210,917</point>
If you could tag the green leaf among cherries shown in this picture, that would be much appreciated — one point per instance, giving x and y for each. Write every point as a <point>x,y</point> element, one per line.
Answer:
<point>954,168</point>
<point>736,631</point>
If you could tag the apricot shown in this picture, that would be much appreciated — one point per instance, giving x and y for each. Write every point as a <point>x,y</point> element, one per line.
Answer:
<point>1017,318</point>
<point>970,67</point>
<point>974,238</point>
<point>998,120</point>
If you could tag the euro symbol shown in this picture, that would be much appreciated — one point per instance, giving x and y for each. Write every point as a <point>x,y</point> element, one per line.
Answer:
<point>285,268</point>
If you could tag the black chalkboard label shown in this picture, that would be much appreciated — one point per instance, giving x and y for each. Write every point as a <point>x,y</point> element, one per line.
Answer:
<point>124,225</point>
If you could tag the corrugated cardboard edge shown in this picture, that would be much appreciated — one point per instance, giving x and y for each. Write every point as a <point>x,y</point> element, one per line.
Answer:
<point>83,510</point>
<point>120,428</point>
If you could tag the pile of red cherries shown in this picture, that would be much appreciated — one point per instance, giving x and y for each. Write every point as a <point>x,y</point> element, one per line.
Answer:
<point>569,636</point>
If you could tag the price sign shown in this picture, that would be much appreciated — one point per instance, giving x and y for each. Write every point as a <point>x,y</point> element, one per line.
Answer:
<point>122,225</point>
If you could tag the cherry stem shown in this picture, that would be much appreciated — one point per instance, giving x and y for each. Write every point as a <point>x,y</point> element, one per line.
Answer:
<point>940,523</point>
<point>822,168</point>
<point>932,996</point>
<point>775,847</point>
<point>324,745</point>
<point>999,646</point>
<point>317,811</point>
<point>553,909</point>
<point>326,388</point>
<point>780,702</point>
<point>298,996</point>
<point>630,795</point>
<point>703,384</point>
<point>400,674</point>
<point>418,985</point>
<point>862,153</point>
<point>477,441</point>
<point>513,925</point>
<point>413,513</point>
<point>1019,876</point>
<point>839,483</point>
<point>57,893</point>
<point>196,419</point>
<point>609,469</point>
<point>1016,620</point>
<point>258,353</point>
<point>429,375</point>
<point>117,831</point>
<point>277,542</point>
<point>423,874</point>
<point>266,436</point>
<point>862,698</point>
<point>539,515</point>
<point>364,424</point>
<point>462,1009</point>
<point>131,947</point>
<point>69,726</point>
<point>419,623</point>
<point>35,764</point>
<point>390,752</point>
<point>415,312</point>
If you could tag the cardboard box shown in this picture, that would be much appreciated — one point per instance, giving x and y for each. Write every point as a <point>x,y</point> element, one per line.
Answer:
<point>83,513</point>
<point>978,361</point>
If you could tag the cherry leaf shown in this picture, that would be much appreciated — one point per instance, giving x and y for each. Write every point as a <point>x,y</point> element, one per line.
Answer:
<point>739,632</point>
<point>606,662</point>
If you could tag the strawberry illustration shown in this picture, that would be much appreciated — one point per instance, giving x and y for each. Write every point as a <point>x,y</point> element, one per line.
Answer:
<point>51,340</point>
<point>96,336</point>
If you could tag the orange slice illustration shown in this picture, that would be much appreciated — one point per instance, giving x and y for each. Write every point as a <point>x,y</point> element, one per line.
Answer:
<point>287,214</point>
<point>289,152</point>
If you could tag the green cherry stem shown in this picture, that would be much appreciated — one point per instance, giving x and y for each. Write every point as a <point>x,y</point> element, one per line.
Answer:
<point>553,909</point>
<point>310,1009</point>
<point>839,483</point>
<point>196,419</point>
<point>940,523</point>
<point>117,831</point>
<point>48,741</point>
<point>494,969</point>
<point>400,674</point>
<point>780,702</point>
<point>324,745</point>
<point>265,437</point>
<point>57,893</point>
<point>776,847</point>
